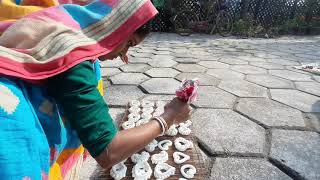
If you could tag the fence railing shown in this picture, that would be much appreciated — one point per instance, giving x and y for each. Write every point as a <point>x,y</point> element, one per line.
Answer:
<point>268,13</point>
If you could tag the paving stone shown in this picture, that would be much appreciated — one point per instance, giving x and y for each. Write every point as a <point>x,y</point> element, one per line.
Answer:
<point>162,63</point>
<point>129,78</point>
<point>213,97</point>
<point>162,57</point>
<point>214,65</point>
<point>309,87</point>
<point>135,60</point>
<point>162,72</point>
<point>313,121</point>
<point>135,68</point>
<point>163,49</point>
<point>108,72</point>
<point>183,55</point>
<point>317,78</point>
<point>162,52</point>
<point>143,55</point>
<point>145,50</point>
<point>307,56</point>
<point>243,88</point>
<point>247,69</point>
<point>161,86</point>
<point>265,55</point>
<point>270,81</point>
<point>269,112</point>
<point>252,59</point>
<point>267,65</point>
<point>225,74</point>
<point>240,168</point>
<point>121,95</point>
<point>199,53</point>
<point>213,57</point>
<point>227,132</point>
<point>112,63</point>
<point>117,114</point>
<point>232,61</point>
<point>297,99</point>
<point>283,62</point>
<point>152,97</point>
<point>298,150</point>
<point>190,68</point>
<point>188,60</point>
<point>204,79</point>
<point>293,76</point>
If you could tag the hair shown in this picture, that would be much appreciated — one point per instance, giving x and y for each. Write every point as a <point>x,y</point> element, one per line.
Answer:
<point>144,30</point>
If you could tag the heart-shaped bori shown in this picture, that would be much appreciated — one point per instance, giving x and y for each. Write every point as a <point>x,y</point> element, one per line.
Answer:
<point>118,171</point>
<point>182,144</point>
<point>143,157</point>
<point>152,146</point>
<point>159,158</point>
<point>164,145</point>
<point>179,157</point>
<point>163,171</point>
<point>188,171</point>
<point>142,171</point>
<point>172,131</point>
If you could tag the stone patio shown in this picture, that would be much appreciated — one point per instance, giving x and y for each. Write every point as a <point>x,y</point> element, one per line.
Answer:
<point>256,118</point>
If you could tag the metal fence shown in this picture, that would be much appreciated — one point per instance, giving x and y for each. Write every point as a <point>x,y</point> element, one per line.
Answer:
<point>267,12</point>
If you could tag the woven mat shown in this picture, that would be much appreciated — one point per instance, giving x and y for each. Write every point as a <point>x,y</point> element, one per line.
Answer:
<point>195,158</point>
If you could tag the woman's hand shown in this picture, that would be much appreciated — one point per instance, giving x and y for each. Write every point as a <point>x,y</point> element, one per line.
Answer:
<point>176,111</point>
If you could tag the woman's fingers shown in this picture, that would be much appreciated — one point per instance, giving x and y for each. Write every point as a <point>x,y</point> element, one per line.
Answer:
<point>124,59</point>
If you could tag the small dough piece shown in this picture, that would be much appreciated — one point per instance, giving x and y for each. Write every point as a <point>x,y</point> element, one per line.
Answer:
<point>160,104</point>
<point>148,110</point>
<point>160,158</point>
<point>142,171</point>
<point>172,131</point>
<point>164,145</point>
<point>157,113</point>
<point>134,117</point>
<point>128,125</point>
<point>179,157</point>
<point>160,109</point>
<point>188,171</point>
<point>118,171</point>
<point>188,123</point>
<point>182,144</point>
<point>138,158</point>
<point>152,146</point>
<point>146,116</point>
<point>134,103</point>
<point>184,130</point>
<point>147,104</point>
<point>164,171</point>
<point>134,110</point>
<point>142,121</point>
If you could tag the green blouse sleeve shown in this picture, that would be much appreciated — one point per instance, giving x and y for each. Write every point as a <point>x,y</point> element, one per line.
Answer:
<point>76,91</point>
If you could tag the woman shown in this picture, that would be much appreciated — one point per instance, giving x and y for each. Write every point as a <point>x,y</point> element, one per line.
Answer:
<point>50,103</point>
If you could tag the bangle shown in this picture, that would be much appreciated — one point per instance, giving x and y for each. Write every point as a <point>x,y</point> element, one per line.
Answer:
<point>162,123</point>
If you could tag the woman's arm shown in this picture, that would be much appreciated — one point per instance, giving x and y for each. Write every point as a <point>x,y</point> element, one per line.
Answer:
<point>128,142</point>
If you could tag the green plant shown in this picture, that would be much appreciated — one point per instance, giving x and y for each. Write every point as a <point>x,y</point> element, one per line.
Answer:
<point>249,27</point>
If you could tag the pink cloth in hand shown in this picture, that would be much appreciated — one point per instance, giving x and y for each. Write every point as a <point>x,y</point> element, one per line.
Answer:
<point>188,91</point>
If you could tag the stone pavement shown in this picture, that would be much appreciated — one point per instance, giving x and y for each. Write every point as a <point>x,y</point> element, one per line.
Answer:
<point>256,117</point>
